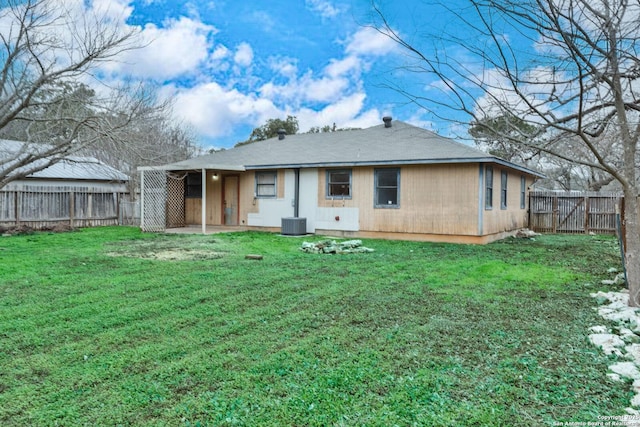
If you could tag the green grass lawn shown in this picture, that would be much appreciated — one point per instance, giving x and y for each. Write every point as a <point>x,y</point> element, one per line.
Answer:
<point>111,326</point>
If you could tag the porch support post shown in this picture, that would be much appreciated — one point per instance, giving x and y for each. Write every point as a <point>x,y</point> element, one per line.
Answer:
<point>142,224</point>
<point>481,195</point>
<point>204,201</point>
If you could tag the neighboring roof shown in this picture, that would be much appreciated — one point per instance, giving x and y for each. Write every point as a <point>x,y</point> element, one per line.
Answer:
<point>70,168</point>
<point>378,145</point>
<point>81,168</point>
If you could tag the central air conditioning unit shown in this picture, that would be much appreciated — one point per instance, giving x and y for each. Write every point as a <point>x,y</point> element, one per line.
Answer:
<point>294,226</point>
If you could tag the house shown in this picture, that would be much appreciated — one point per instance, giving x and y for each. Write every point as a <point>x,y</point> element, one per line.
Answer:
<point>79,191</point>
<point>393,180</point>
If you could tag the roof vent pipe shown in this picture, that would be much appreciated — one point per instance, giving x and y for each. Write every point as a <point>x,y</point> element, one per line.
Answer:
<point>281,133</point>
<point>387,121</point>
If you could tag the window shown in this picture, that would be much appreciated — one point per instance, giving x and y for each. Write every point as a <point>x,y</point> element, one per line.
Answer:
<point>193,185</point>
<point>266,184</point>
<point>488,187</point>
<point>503,189</point>
<point>523,192</point>
<point>387,188</point>
<point>339,184</point>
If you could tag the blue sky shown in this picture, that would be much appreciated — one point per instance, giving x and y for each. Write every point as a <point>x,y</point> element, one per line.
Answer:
<point>229,65</point>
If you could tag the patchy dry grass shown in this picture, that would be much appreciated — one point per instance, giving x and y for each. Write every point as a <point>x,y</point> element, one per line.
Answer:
<point>97,329</point>
<point>181,248</point>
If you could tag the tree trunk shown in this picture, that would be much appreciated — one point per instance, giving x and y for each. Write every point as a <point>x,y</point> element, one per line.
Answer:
<point>632,251</point>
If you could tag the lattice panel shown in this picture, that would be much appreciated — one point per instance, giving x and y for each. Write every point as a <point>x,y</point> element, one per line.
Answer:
<point>175,201</point>
<point>154,199</point>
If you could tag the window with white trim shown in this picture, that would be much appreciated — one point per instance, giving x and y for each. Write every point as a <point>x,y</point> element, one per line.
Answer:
<point>523,192</point>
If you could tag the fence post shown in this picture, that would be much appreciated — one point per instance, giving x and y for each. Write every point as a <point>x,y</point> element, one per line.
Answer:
<point>117,197</point>
<point>90,209</point>
<point>72,208</point>
<point>554,216</point>
<point>586,214</point>
<point>16,210</point>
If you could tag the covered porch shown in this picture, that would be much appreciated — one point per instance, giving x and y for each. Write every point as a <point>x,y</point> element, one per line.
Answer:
<point>186,201</point>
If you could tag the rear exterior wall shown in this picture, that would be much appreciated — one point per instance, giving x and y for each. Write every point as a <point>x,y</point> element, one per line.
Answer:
<point>434,199</point>
<point>445,200</point>
<point>514,216</point>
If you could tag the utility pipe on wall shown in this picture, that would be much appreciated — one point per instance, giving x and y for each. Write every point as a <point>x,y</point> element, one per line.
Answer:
<point>296,201</point>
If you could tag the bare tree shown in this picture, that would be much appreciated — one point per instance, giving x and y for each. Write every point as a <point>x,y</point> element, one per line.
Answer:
<point>506,137</point>
<point>154,138</point>
<point>571,68</point>
<point>46,49</point>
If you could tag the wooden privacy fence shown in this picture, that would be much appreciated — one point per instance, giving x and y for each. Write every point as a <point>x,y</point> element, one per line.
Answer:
<point>573,212</point>
<point>42,207</point>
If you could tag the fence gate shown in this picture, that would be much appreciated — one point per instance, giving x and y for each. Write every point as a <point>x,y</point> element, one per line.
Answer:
<point>154,199</point>
<point>573,212</point>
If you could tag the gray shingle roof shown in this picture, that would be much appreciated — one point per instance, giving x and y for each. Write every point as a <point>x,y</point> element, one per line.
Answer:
<point>399,144</point>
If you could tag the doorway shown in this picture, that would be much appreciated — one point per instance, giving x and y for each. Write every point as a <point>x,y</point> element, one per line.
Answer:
<point>230,197</point>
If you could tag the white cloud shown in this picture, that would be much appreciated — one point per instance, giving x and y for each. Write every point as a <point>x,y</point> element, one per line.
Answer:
<point>326,89</point>
<point>347,66</point>
<point>244,55</point>
<point>323,7</point>
<point>365,119</point>
<point>337,80</point>
<point>286,67</point>
<point>369,42</point>
<point>346,112</point>
<point>171,51</point>
<point>307,88</point>
<point>215,111</point>
<point>262,19</point>
<point>116,10</point>
<point>220,52</point>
